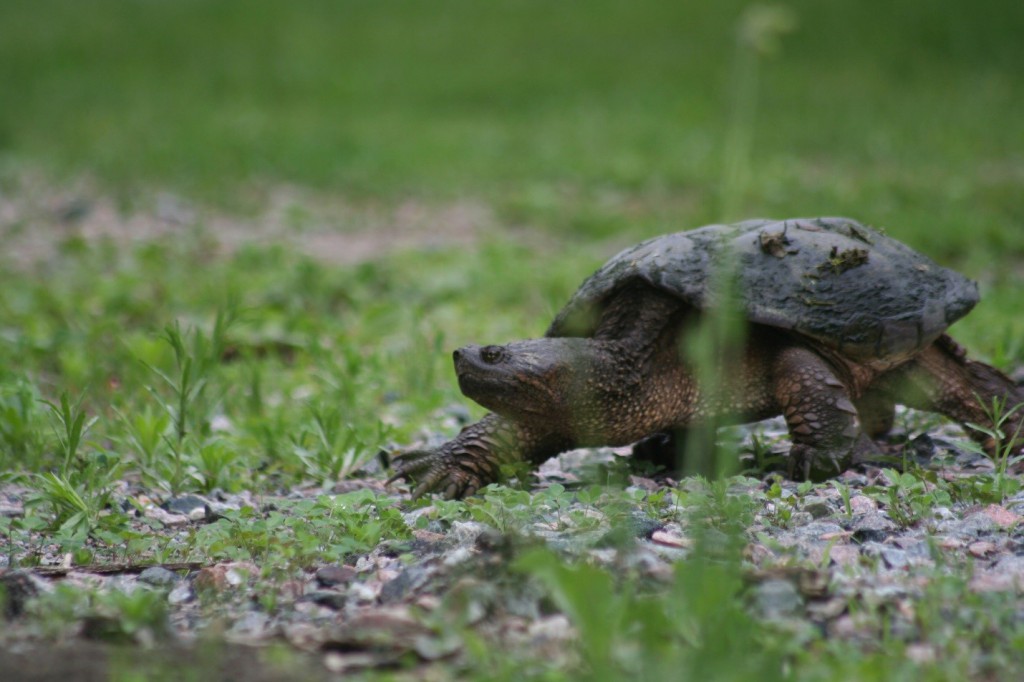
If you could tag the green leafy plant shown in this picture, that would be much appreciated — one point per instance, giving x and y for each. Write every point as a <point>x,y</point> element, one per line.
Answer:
<point>910,496</point>
<point>783,504</point>
<point>330,448</point>
<point>196,356</point>
<point>764,460</point>
<point>301,533</point>
<point>139,616</point>
<point>999,413</point>
<point>844,494</point>
<point>145,431</point>
<point>21,425</point>
<point>70,428</point>
<point>75,509</point>
<point>79,493</point>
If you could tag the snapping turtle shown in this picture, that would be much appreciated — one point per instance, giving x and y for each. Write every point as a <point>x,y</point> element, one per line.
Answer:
<point>843,323</point>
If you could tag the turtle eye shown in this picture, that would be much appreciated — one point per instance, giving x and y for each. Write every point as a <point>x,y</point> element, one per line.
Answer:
<point>492,354</point>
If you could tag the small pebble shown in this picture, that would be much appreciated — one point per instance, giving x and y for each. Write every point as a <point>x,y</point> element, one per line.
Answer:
<point>981,549</point>
<point>872,527</point>
<point>158,576</point>
<point>335,574</point>
<point>777,599</point>
<point>671,537</point>
<point>181,594</point>
<point>1001,516</point>
<point>817,507</point>
<point>862,504</point>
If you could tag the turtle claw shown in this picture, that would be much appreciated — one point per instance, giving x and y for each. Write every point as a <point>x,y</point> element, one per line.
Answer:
<point>810,463</point>
<point>434,471</point>
<point>408,464</point>
<point>807,463</point>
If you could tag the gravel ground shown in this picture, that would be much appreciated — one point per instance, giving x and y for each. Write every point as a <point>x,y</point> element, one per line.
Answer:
<point>810,553</point>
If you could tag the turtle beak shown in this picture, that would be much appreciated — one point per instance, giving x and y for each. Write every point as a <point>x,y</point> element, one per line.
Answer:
<point>464,357</point>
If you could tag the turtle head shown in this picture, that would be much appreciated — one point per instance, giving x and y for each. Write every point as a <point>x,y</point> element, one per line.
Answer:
<point>532,379</point>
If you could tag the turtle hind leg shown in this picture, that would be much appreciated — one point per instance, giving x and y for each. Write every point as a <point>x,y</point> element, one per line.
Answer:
<point>941,379</point>
<point>877,413</point>
<point>823,422</point>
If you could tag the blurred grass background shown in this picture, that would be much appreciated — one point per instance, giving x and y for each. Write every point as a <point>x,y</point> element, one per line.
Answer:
<point>591,124</point>
<point>586,119</point>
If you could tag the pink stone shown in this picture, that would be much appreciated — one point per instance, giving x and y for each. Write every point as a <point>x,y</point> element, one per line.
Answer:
<point>1001,515</point>
<point>862,504</point>
<point>669,539</point>
<point>844,555</point>
<point>981,549</point>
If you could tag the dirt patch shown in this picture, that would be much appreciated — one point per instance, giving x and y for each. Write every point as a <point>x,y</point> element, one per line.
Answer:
<point>37,217</point>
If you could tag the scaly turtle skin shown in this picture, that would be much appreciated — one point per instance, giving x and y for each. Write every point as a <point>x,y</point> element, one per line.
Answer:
<point>842,323</point>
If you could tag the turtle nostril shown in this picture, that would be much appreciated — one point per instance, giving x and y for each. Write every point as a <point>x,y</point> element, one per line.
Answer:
<point>457,354</point>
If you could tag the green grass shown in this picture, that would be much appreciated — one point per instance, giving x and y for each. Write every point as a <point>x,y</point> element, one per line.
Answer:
<point>142,342</point>
<point>609,118</point>
<point>177,370</point>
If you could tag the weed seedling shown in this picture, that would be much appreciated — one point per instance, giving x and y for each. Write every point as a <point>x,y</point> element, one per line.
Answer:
<point>70,428</point>
<point>999,413</point>
<point>189,408</point>
<point>331,448</point>
<point>21,426</point>
<point>844,494</point>
<point>78,493</point>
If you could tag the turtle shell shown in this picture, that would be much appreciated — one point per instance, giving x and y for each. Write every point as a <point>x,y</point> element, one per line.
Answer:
<point>833,280</point>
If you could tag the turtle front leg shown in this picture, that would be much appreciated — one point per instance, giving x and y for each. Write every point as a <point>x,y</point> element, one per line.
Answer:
<point>942,379</point>
<point>822,419</point>
<point>472,459</point>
